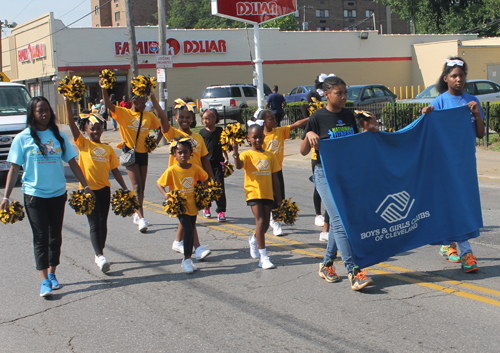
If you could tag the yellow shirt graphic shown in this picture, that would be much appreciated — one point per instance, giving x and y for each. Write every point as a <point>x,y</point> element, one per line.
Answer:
<point>274,141</point>
<point>129,122</point>
<point>259,167</point>
<point>199,147</point>
<point>96,160</point>
<point>184,180</point>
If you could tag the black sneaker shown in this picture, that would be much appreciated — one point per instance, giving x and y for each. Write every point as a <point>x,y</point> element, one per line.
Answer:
<point>328,272</point>
<point>359,279</point>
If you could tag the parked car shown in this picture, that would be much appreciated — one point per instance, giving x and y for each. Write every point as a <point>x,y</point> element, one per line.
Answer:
<point>368,94</point>
<point>298,94</point>
<point>484,90</point>
<point>229,99</point>
<point>14,100</point>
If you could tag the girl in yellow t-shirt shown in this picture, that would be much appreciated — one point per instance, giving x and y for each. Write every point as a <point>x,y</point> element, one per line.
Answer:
<point>274,141</point>
<point>261,179</point>
<point>96,160</point>
<point>129,119</point>
<point>185,117</point>
<point>183,176</point>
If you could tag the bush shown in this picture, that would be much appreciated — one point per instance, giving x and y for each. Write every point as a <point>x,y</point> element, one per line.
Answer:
<point>406,113</point>
<point>494,122</point>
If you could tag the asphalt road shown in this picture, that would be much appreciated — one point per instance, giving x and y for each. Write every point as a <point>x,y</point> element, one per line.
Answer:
<point>420,302</point>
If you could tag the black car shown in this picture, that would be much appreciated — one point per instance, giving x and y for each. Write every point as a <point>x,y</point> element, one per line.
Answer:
<point>368,94</point>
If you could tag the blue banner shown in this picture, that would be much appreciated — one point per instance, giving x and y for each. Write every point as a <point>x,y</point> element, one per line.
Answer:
<point>398,191</point>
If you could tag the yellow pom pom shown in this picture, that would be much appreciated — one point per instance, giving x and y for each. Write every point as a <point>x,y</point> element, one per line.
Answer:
<point>108,78</point>
<point>287,212</point>
<point>228,169</point>
<point>73,88</point>
<point>124,203</point>
<point>142,86</point>
<point>176,204</point>
<point>201,196</point>
<point>12,214</point>
<point>214,190</point>
<point>150,143</point>
<point>233,134</point>
<point>81,202</point>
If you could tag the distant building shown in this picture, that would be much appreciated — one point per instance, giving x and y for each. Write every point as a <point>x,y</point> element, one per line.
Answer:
<point>312,15</point>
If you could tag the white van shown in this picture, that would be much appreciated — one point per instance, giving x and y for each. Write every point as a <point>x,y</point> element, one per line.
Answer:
<point>14,100</point>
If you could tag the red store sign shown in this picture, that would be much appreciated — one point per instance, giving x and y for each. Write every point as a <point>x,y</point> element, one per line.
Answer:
<point>216,46</point>
<point>253,11</point>
<point>31,52</point>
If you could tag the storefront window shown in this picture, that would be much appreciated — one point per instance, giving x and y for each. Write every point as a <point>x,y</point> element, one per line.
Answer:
<point>35,89</point>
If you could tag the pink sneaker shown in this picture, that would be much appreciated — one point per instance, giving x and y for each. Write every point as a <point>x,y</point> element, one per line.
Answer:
<point>222,217</point>
<point>206,213</point>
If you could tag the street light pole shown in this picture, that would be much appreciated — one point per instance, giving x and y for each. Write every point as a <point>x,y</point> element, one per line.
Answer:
<point>4,24</point>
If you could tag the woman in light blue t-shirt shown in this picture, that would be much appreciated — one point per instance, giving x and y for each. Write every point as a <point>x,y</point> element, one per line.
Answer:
<point>41,150</point>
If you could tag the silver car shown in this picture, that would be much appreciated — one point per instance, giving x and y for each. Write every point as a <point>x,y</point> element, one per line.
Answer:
<point>484,90</point>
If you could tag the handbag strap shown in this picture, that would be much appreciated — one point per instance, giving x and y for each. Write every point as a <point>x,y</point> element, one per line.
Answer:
<point>138,131</point>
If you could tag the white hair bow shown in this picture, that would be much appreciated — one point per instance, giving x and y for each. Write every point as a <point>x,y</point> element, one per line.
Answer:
<point>454,62</point>
<point>258,122</point>
<point>323,77</point>
<point>257,112</point>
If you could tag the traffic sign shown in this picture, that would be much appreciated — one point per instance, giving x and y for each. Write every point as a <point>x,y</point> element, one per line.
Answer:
<point>153,47</point>
<point>3,77</point>
<point>164,62</point>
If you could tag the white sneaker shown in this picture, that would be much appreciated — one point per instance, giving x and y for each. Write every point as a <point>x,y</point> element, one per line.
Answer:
<point>143,226</point>
<point>136,218</point>
<point>319,221</point>
<point>272,222</point>
<point>202,252</point>
<point>277,229</point>
<point>103,264</point>
<point>178,246</point>
<point>188,266</point>
<point>323,236</point>
<point>266,263</point>
<point>254,248</point>
<point>147,222</point>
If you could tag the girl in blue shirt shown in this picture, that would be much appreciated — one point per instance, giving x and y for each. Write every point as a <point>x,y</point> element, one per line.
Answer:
<point>450,85</point>
<point>41,149</point>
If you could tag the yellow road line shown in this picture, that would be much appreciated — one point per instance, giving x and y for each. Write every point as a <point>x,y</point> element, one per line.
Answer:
<point>424,280</point>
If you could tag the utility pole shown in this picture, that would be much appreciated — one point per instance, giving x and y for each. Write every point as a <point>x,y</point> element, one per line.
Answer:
<point>305,25</point>
<point>4,24</point>
<point>162,48</point>
<point>131,39</point>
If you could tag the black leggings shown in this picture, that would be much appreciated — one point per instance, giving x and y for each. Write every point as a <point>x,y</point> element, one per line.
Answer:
<point>98,219</point>
<point>282,188</point>
<point>188,223</point>
<point>46,219</point>
<point>317,199</point>
<point>219,176</point>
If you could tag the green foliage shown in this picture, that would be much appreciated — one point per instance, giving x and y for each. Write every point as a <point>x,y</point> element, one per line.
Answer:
<point>450,16</point>
<point>494,117</point>
<point>406,113</point>
<point>196,14</point>
<point>285,23</point>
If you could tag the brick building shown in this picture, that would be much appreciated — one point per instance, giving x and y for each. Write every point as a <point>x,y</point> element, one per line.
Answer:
<point>336,15</point>
<point>114,13</point>
<point>322,15</point>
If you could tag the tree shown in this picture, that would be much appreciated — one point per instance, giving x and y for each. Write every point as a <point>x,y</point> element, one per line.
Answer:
<point>197,14</point>
<point>449,16</point>
<point>285,23</point>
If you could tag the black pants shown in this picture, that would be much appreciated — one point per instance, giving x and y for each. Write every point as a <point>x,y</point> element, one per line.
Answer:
<point>317,202</point>
<point>98,219</point>
<point>219,176</point>
<point>278,117</point>
<point>46,219</point>
<point>188,223</point>
<point>282,188</point>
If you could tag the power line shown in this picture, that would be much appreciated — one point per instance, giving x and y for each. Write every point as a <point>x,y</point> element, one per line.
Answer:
<point>74,8</point>
<point>51,34</point>
<point>22,10</point>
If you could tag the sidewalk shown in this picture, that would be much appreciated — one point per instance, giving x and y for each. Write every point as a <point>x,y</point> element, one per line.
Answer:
<point>488,162</point>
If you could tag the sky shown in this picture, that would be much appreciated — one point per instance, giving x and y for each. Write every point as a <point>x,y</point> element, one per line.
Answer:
<point>21,11</point>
